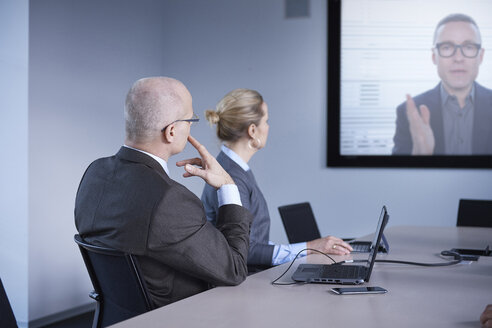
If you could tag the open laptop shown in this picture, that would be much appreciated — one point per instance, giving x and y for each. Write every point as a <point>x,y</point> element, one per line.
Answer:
<point>339,273</point>
<point>300,226</point>
<point>366,246</point>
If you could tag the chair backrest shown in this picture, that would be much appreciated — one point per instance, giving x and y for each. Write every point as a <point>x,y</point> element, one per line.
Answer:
<point>474,213</point>
<point>120,291</point>
<point>7,318</point>
<point>299,222</point>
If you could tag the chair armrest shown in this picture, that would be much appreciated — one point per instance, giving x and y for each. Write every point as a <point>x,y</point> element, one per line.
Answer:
<point>94,295</point>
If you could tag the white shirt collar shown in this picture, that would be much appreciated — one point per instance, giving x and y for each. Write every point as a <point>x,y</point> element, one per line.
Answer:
<point>235,157</point>
<point>158,159</point>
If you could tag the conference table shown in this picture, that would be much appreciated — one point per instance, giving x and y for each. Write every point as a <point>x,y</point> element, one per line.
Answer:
<point>448,296</point>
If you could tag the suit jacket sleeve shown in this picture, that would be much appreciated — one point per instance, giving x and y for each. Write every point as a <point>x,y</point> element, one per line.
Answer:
<point>182,238</point>
<point>402,139</point>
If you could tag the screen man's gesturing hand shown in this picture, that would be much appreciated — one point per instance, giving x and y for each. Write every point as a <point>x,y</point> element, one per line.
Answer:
<point>420,129</point>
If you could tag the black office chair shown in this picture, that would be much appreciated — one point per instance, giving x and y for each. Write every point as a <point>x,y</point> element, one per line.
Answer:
<point>7,318</point>
<point>119,290</point>
<point>299,222</point>
<point>474,213</point>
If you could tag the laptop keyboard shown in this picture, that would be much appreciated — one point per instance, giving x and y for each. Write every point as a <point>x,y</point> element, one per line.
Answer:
<point>362,248</point>
<point>343,271</point>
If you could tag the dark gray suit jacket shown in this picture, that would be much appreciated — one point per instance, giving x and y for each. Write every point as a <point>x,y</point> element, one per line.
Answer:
<point>128,202</point>
<point>482,122</point>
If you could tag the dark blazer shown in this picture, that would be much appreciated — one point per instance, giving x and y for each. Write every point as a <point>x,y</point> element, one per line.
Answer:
<point>128,202</point>
<point>482,122</point>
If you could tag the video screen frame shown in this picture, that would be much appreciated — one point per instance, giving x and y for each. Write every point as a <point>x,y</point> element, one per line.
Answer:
<point>334,156</point>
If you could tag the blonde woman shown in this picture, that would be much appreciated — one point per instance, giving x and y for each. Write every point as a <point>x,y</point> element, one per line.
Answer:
<point>242,126</point>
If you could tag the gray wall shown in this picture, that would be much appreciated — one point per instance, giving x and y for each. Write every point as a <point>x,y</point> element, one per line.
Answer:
<point>83,57</point>
<point>13,144</point>
<point>251,44</point>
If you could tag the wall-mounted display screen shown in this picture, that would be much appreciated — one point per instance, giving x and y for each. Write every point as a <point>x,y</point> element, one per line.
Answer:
<point>409,83</point>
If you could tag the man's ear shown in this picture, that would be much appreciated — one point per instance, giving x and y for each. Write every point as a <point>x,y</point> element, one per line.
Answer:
<point>169,134</point>
<point>434,56</point>
<point>252,130</point>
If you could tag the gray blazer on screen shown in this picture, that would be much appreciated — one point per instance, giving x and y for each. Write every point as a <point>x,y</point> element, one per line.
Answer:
<point>129,203</point>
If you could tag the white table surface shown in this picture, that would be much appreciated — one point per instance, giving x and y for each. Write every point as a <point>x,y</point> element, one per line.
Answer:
<point>452,296</point>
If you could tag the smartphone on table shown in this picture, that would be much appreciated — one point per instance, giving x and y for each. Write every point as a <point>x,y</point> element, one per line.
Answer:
<point>358,290</point>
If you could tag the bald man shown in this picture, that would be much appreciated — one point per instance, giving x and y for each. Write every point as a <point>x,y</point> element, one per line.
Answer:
<point>128,202</point>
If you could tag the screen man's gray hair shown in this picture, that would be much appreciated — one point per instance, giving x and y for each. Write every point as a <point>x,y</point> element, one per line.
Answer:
<point>457,18</point>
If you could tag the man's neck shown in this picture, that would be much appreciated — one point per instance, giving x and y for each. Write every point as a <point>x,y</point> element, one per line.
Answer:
<point>149,148</point>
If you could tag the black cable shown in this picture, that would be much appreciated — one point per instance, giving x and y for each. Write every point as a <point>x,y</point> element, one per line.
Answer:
<point>421,264</point>
<point>457,259</point>
<point>274,282</point>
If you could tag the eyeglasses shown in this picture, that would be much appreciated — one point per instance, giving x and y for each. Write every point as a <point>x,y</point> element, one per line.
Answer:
<point>195,118</point>
<point>448,49</point>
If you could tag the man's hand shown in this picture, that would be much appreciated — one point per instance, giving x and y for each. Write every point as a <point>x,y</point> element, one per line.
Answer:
<point>486,317</point>
<point>422,135</point>
<point>330,245</point>
<point>210,170</point>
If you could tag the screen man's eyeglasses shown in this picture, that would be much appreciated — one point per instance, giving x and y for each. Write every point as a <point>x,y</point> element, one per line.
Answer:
<point>195,118</point>
<point>448,49</point>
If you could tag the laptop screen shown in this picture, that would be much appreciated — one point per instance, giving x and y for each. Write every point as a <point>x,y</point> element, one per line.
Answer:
<point>378,228</point>
<point>383,220</point>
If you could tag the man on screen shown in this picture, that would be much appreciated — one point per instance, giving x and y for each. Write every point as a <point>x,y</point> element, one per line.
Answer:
<point>454,118</point>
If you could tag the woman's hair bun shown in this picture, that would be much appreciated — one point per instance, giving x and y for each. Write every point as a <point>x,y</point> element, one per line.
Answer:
<point>212,116</point>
